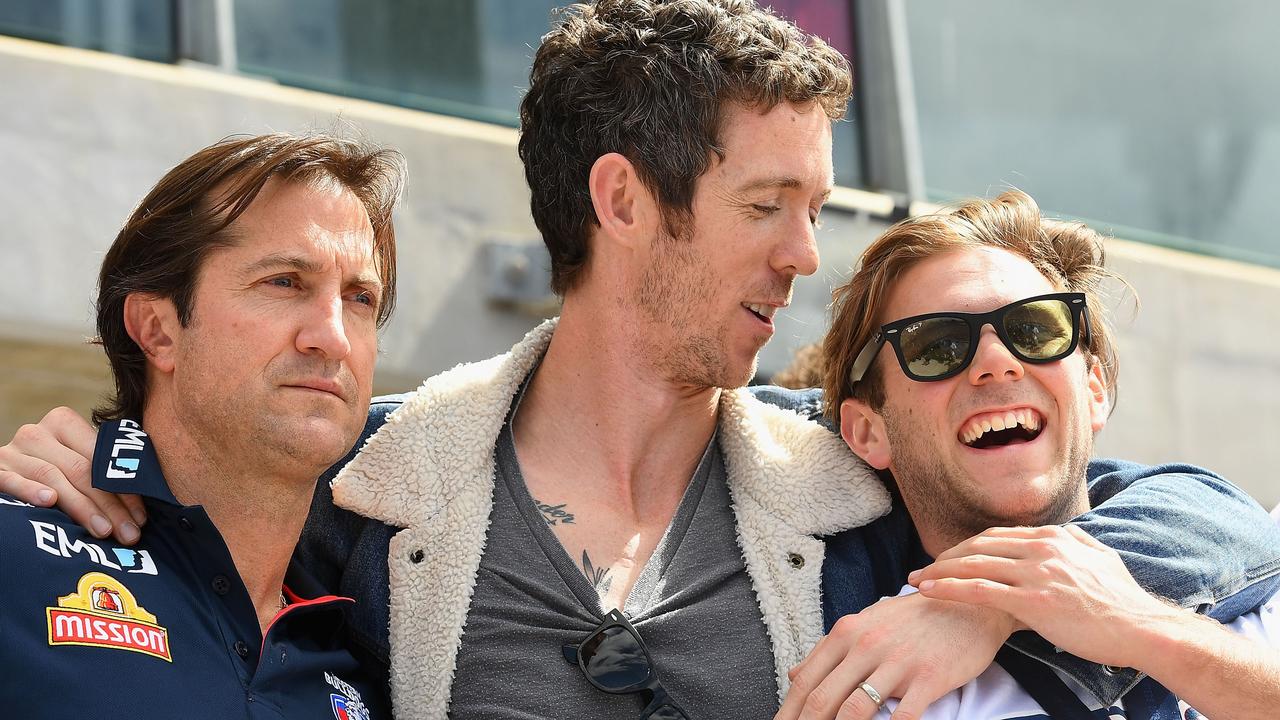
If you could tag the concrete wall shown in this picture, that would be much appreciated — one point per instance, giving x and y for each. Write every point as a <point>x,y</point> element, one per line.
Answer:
<point>84,135</point>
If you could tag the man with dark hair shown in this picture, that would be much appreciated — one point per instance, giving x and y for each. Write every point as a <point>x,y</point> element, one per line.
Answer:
<point>969,357</point>
<point>238,307</point>
<point>603,522</point>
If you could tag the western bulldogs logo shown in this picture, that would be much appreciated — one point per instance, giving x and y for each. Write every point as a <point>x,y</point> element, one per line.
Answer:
<point>346,703</point>
<point>347,709</point>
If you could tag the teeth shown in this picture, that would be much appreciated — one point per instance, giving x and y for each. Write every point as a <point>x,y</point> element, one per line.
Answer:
<point>1026,418</point>
<point>765,310</point>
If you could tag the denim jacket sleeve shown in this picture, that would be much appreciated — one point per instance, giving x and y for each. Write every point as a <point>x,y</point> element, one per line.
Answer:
<point>1185,534</point>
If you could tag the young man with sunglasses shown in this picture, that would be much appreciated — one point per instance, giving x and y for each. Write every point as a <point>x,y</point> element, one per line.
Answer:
<point>516,526</point>
<point>970,361</point>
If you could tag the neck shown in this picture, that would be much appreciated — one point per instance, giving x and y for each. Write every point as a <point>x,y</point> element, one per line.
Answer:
<point>258,513</point>
<point>596,409</point>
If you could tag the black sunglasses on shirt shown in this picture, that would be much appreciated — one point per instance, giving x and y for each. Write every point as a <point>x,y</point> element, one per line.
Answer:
<point>937,346</point>
<point>615,660</point>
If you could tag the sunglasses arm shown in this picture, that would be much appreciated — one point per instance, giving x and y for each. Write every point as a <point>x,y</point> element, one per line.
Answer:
<point>863,362</point>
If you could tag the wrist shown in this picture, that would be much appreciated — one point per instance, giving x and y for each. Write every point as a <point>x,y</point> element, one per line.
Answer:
<point>1163,640</point>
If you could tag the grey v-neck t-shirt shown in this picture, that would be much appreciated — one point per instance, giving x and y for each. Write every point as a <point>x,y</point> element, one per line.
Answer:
<point>693,605</point>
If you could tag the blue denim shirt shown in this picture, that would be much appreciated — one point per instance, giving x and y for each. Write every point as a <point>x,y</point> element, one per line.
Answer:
<point>1184,533</point>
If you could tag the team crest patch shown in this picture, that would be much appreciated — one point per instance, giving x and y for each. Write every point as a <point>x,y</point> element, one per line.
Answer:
<point>345,708</point>
<point>347,704</point>
<point>102,612</point>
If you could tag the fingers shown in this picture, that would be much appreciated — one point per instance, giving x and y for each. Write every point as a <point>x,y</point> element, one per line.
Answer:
<point>1000,569</point>
<point>858,704</point>
<point>972,591</point>
<point>808,676</point>
<point>70,430</point>
<point>1002,537</point>
<point>76,434</point>
<point>28,491</point>
<point>54,457</point>
<point>1085,537</point>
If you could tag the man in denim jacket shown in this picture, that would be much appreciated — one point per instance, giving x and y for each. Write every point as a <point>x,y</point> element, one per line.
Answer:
<point>978,400</point>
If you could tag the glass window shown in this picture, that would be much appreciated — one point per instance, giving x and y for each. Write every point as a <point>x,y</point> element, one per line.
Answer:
<point>833,22</point>
<point>139,28</point>
<point>459,57</point>
<point>1159,120</point>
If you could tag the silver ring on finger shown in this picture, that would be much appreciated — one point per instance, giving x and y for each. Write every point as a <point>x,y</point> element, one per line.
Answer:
<point>871,693</point>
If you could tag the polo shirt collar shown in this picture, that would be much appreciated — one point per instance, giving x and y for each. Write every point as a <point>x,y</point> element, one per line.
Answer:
<point>124,461</point>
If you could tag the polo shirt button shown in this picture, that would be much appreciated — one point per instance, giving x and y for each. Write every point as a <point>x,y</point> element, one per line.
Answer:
<point>242,649</point>
<point>185,524</point>
<point>221,584</point>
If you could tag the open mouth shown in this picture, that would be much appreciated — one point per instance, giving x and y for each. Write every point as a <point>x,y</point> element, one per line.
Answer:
<point>763,312</point>
<point>998,429</point>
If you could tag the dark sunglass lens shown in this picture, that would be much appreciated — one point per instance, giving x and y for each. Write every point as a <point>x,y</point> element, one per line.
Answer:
<point>667,712</point>
<point>935,347</point>
<point>614,660</point>
<point>1040,330</point>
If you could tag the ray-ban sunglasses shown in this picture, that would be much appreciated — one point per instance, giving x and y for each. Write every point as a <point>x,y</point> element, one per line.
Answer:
<point>937,346</point>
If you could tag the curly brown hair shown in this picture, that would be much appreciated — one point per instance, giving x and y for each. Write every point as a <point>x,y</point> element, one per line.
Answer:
<point>1068,253</point>
<point>649,79</point>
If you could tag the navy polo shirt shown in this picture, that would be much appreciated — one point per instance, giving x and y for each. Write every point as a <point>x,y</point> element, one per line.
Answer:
<point>163,629</point>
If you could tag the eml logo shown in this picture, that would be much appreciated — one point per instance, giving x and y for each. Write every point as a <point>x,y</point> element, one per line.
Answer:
<point>129,439</point>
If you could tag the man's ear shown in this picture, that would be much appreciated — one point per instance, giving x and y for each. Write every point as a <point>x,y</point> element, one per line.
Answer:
<point>1099,399</point>
<point>624,206</point>
<point>153,324</point>
<point>863,430</point>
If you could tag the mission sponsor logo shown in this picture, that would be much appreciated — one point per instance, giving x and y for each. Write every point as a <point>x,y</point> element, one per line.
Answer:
<point>102,612</point>
<point>126,450</point>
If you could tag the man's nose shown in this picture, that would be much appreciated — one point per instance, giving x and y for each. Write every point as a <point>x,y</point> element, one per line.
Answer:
<point>797,252</point>
<point>323,330</point>
<point>992,361</point>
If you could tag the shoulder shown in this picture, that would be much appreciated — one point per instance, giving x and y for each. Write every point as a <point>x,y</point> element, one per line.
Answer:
<point>17,519</point>
<point>1111,469</point>
<point>40,545</point>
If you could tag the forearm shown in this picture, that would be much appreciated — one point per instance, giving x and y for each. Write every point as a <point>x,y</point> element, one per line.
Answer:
<point>1216,671</point>
<point>1185,534</point>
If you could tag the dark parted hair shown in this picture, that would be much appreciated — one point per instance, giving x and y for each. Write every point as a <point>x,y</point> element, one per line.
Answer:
<point>649,79</point>
<point>1070,254</point>
<point>162,245</point>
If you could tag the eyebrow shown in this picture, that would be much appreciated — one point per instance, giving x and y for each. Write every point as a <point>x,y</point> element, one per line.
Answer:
<point>307,265</point>
<point>789,182</point>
